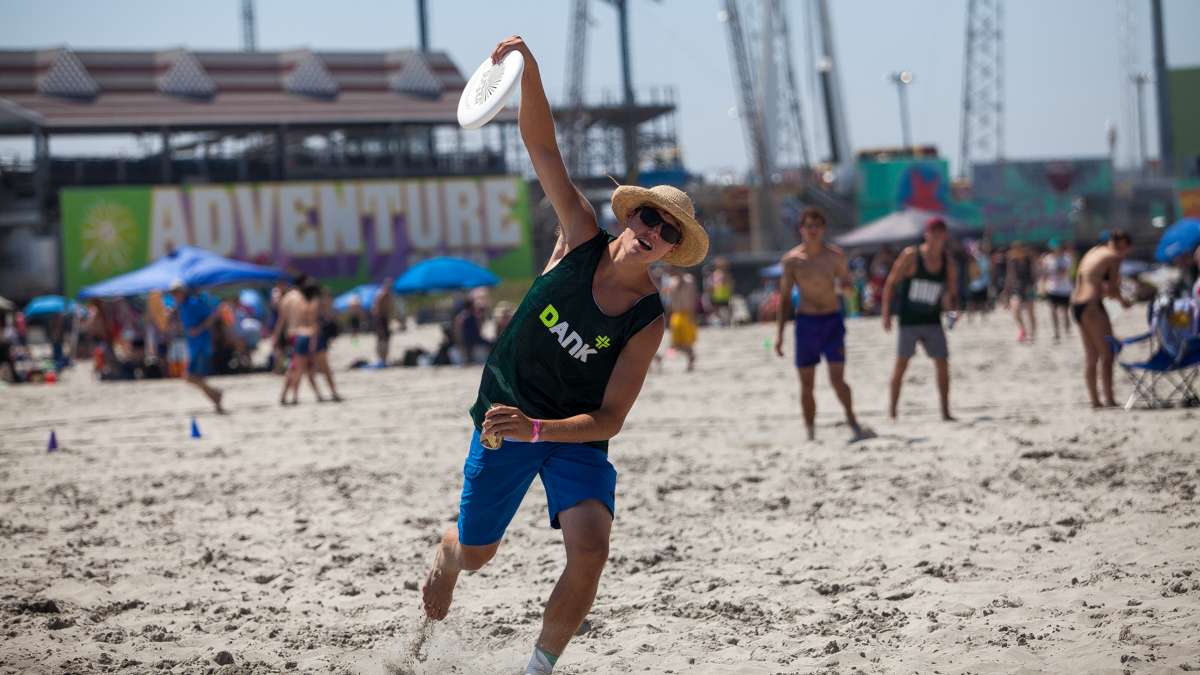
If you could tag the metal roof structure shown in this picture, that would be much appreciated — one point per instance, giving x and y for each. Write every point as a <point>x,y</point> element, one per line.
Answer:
<point>61,91</point>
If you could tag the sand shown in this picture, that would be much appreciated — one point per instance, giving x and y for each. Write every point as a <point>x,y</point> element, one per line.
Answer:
<point>1033,535</point>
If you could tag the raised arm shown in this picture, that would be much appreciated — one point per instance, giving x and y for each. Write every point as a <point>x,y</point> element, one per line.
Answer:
<point>575,214</point>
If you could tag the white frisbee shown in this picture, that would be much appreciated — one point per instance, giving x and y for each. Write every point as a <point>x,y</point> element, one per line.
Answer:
<point>489,90</point>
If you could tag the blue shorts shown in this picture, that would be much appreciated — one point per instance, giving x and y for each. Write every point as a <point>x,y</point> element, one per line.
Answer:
<point>301,344</point>
<point>199,362</point>
<point>495,482</point>
<point>817,335</point>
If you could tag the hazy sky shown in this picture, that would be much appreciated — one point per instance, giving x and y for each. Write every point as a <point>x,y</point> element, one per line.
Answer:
<point>1063,82</point>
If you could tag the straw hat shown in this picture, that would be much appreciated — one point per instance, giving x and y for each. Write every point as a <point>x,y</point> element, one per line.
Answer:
<point>694,246</point>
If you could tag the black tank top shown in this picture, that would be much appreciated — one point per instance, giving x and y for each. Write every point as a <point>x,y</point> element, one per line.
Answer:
<point>556,356</point>
<point>921,295</point>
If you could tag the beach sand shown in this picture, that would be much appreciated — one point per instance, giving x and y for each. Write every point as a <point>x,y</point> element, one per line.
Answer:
<point>1033,535</point>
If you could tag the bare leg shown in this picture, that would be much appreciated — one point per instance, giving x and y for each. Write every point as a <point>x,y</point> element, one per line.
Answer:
<point>215,395</point>
<point>1054,321</point>
<point>1094,326</point>
<point>586,528</point>
<point>449,558</point>
<point>808,403</point>
<point>942,366</point>
<point>1032,319</point>
<point>897,381</point>
<point>837,377</point>
<point>295,373</point>
<point>690,352</point>
<point>323,366</point>
<point>1015,304</point>
<point>311,373</point>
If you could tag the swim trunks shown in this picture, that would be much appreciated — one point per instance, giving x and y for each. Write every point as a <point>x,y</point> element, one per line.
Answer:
<point>817,335</point>
<point>683,330</point>
<point>301,345</point>
<point>495,482</point>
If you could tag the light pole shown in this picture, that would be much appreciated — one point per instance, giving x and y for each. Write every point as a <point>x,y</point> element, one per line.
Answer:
<point>902,79</point>
<point>1140,80</point>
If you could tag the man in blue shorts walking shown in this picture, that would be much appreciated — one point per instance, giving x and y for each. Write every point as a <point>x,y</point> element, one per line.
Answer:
<point>562,377</point>
<point>820,271</point>
<point>197,316</point>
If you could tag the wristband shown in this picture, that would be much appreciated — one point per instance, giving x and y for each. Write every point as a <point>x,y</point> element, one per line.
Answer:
<point>537,431</point>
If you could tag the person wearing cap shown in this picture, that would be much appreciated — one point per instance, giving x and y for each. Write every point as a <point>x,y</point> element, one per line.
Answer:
<point>927,281</point>
<point>820,271</point>
<point>1056,266</point>
<point>562,377</point>
<point>197,315</point>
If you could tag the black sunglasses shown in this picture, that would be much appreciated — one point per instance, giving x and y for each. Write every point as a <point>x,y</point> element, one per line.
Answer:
<point>652,218</point>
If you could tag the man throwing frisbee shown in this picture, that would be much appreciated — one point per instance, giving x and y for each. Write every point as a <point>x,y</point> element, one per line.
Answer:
<point>562,377</point>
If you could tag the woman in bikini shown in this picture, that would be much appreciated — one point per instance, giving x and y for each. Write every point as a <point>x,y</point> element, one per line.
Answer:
<point>1099,277</point>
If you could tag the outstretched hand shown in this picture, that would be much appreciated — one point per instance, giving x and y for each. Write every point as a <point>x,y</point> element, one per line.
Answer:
<point>508,422</point>
<point>779,345</point>
<point>510,44</point>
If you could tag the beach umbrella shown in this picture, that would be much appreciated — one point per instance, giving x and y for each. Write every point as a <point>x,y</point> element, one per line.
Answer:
<point>252,300</point>
<point>195,267</point>
<point>444,274</point>
<point>48,305</point>
<point>1182,237</point>
<point>365,294</point>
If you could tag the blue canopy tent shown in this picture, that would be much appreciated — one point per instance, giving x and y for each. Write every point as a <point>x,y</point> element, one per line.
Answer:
<point>48,305</point>
<point>1181,238</point>
<point>193,266</point>
<point>365,294</point>
<point>444,274</point>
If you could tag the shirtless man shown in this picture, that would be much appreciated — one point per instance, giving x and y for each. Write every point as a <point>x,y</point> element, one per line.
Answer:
<point>281,337</point>
<point>927,280</point>
<point>821,272</point>
<point>682,296</point>
<point>303,326</point>
<point>1099,277</point>
<point>381,320</point>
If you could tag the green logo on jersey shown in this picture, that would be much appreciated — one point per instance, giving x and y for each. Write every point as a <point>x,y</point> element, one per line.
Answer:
<point>602,342</point>
<point>570,341</point>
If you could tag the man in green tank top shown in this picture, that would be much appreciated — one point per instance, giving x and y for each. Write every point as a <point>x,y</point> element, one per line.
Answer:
<point>562,377</point>
<point>927,281</point>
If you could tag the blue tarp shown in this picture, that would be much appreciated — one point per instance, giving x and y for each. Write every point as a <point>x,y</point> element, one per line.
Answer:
<point>195,267</point>
<point>1182,237</point>
<point>444,274</point>
<point>48,305</point>
<point>365,294</point>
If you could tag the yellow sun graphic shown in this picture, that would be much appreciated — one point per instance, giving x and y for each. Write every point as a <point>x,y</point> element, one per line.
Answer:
<point>109,234</point>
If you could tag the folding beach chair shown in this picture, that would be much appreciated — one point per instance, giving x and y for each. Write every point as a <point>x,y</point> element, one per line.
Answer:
<point>1169,376</point>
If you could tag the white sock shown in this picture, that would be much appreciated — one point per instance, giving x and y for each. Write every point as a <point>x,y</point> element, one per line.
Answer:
<point>540,663</point>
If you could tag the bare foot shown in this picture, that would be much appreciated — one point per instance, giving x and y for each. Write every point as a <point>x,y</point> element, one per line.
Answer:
<point>947,417</point>
<point>861,433</point>
<point>219,398</point>
<point>812,434</point>
<point>438,590</point>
